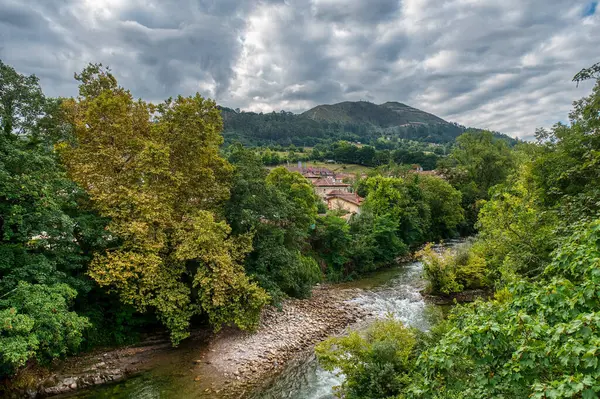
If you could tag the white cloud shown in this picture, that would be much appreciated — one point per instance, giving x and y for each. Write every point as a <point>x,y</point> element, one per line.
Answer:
<point>504,65</point>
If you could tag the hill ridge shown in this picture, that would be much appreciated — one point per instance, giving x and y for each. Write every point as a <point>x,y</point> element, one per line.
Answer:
<point>388,114</point>
<point>357,121</point>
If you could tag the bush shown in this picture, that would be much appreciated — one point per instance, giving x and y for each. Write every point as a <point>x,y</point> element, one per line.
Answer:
<point>453,270</point>
<point>535,340</point>
<point>35,321</point>
<point>376,364</point>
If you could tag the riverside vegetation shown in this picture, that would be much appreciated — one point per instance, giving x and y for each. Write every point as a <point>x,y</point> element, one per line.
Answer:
<point>119,216</point>
<point>537,246</point>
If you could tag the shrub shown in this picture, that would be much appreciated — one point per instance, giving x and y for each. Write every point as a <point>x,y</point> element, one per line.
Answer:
<point>35,321</point>
<point>376,364</point>
<point>453,270</point>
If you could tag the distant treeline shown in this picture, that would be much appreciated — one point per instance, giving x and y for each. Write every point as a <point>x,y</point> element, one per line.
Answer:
<point>406,152</point>
<point>286,128</point>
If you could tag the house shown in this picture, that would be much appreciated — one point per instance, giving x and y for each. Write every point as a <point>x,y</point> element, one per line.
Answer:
<point>343,200</point>
<point>324,185</point>
<point>312,177</point>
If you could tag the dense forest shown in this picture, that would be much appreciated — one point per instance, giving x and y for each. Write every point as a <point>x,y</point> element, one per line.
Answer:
<point>361,122</point>
<point>119,216</point>
<point>537,248</point>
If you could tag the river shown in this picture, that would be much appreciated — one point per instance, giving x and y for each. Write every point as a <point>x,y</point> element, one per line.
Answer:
<point>392,292</point>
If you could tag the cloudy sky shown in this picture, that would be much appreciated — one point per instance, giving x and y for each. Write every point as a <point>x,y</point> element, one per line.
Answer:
<point>505,65</point>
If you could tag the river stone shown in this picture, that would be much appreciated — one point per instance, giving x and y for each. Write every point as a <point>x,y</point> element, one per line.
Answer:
<point>69,380</point>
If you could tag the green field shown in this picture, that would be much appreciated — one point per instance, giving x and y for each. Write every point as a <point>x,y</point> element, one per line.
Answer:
<point>340,167</point>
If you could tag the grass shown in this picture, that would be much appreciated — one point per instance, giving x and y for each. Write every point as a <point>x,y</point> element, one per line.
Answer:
<point>340,167</point>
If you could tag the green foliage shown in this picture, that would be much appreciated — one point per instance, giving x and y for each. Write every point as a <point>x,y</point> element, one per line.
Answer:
<point>539,242</point>
<point>41,239</point>
<point>444,203</point>
<point>376,242</point>
<point>348,249</point>
<point>568,169</point>
<point>298,192</point>
<point>425,207</point>
<point>403,202</point>
<point>407,153</point>
<point>47,233</point>
<point>478,162</point>
<point>376,364</point>
<point>397,214</point>
<point>516,232</point>
<point>22,103</point>
<point>452,270</point>
<point>539,340</point>
<point>332,241</point>
<point>36,322</point>
<point>277,208</point>
<point>156,172</point>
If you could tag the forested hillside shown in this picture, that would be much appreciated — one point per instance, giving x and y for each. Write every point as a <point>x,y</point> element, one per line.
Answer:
<point>390,114</point>
<point>361,121</point>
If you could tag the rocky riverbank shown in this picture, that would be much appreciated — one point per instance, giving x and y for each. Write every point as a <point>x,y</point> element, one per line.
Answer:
<point>96,368</point>
<point>228,364</point>
<point>248,360</point>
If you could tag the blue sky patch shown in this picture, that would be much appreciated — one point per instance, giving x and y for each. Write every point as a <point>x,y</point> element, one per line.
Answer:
<point>590,9</point>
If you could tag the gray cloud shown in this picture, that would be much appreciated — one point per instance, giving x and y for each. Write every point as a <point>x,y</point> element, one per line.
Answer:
<point>504,65</point>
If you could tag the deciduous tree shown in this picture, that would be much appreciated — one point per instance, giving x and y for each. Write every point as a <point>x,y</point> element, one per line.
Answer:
<point>156,172</point>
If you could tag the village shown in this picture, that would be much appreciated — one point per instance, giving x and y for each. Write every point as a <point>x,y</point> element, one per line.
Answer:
<point>332,187</point>
<point>335,189</point>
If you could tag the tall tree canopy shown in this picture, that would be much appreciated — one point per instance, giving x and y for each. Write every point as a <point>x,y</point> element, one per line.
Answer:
<point>278,207</point>
<point>46,233</point>
<point>156,172</point>
<point>478,162</point>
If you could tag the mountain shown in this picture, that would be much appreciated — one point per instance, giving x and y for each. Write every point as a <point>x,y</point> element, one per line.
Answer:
<point>385,115</point>
<point>359,121</point>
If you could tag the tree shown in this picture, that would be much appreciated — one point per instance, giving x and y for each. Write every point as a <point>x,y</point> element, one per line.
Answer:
<point>46,233</point>
<point>331,240</point>
<point>535,340</point>
<point>478,162</point>
<point>156,172</point>
<point>22,102</point>
<point>567,170</point>
<point>404,203</point>
<point>516,231</point>
<point>302,201</point>
<point>277,208</point>
<point>444,203</point>
<point>375,242</point>
<point>37,323</point>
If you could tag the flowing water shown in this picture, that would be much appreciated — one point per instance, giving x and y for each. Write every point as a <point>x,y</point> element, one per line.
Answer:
<point>392,292</point>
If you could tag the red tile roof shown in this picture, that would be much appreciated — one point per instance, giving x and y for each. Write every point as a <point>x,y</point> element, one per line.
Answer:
<point>329,182</point>
<point>349,197</point>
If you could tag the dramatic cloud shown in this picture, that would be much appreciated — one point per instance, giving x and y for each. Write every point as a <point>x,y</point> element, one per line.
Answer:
<point>504,65</point>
